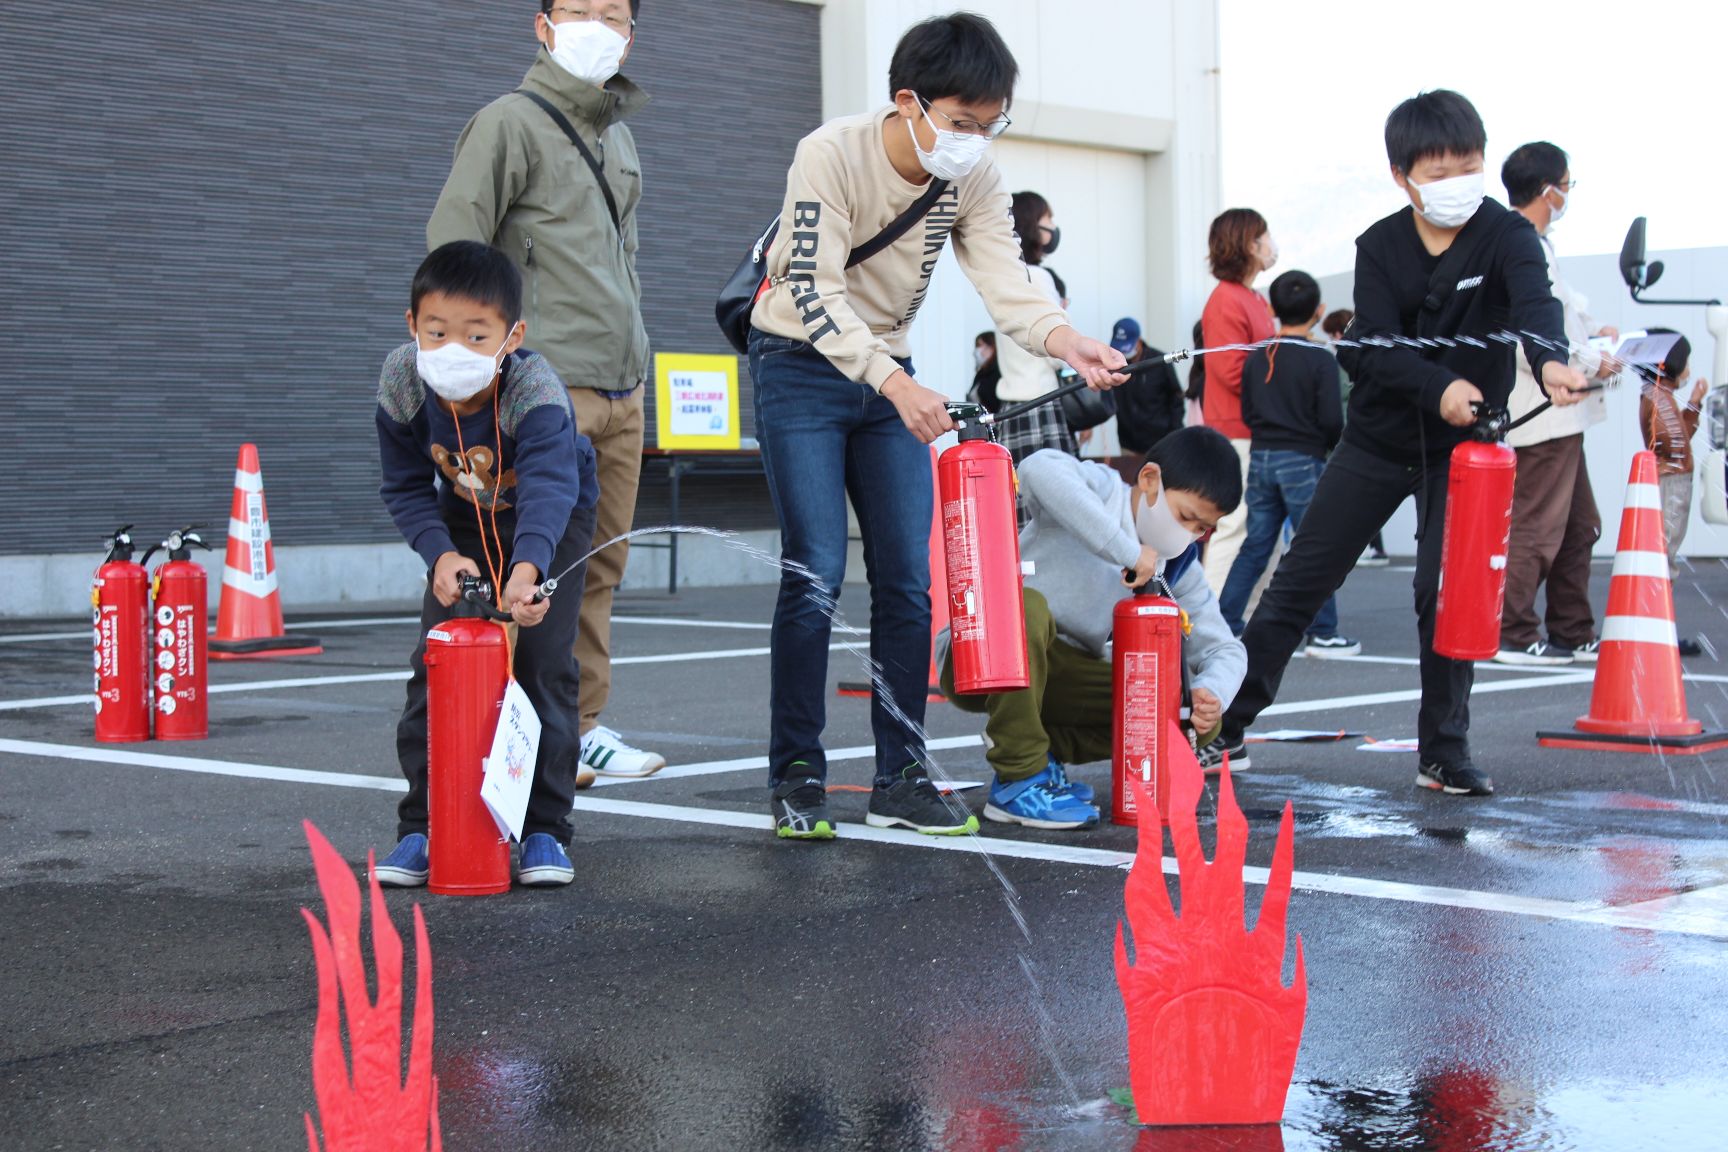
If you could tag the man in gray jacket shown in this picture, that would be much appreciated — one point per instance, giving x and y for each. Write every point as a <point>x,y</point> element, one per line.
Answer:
<point>566,214</point>
<point>1086,529</point>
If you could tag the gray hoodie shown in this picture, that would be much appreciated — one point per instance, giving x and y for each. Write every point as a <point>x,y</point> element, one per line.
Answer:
<point>1080,536</point>
<point>519,184</point>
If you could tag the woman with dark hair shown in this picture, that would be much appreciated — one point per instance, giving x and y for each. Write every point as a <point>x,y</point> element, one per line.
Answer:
<point>1239,247</point>
<point>1023,375</point>
<point>986,372</point>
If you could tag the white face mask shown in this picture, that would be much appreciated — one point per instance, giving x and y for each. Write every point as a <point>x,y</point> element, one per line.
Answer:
<point>454,372</point>
<point>955,154</point>
<point>1271,255</point>
<point>1157,528</point>
<point>1565,203</point>
<point>1451,202</point>
<point>588,50</point>
<point>980,357</point>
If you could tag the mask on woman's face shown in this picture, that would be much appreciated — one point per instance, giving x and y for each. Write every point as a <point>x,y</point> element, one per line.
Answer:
<point>980,357</point>
<point>1269,254</point>
<point>1053,238</point>
<point>1450,203</point>
<point>1159,530</point>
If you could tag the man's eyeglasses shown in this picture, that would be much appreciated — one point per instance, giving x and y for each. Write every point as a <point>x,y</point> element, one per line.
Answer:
<point>969,127</point>
<point>573,13</point>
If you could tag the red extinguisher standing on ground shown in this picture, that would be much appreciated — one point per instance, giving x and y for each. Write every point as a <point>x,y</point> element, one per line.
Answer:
<point>1473,551</point>
<point>120,614</point>
<point>180,622</point>
<point>976,487</point>
<point>467,670</point>
<point>1146,662</point>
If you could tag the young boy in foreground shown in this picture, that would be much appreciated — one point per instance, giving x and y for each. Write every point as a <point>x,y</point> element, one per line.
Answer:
<point>1085,528</point>
<point>1451,264</point>
<point>464,404</point>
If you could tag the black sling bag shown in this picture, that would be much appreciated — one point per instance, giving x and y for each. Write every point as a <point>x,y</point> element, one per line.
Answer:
<point>563,122</point>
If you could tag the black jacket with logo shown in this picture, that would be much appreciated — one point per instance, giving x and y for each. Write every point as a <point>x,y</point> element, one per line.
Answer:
<point>1491,281</point>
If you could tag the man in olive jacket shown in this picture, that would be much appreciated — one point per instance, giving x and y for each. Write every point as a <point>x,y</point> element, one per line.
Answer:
<point>521,184</point>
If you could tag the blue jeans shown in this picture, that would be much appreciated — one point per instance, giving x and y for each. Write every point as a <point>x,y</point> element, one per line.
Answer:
<point>824,437</point>
<point>1280,486</point>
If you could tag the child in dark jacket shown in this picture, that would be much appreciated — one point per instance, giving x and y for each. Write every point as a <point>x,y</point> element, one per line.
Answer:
<point>1294,410</point>
<point>484,471</point>
<point>1453,264</point>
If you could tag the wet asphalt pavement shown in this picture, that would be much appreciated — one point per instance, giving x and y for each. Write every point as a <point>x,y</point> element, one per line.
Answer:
<point>1543,970</point>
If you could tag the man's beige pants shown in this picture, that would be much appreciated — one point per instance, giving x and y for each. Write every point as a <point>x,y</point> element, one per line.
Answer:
<point>615,427</point>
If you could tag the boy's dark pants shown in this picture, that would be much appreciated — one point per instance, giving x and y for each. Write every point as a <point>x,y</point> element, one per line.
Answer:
<point>546,669</point>
<point>1357,494</point>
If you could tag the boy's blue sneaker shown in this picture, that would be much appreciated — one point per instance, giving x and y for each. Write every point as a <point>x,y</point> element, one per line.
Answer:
<point>407,866</point>
<point>1082,791</point>
<point>543,863</point>
<point>1042,801</point>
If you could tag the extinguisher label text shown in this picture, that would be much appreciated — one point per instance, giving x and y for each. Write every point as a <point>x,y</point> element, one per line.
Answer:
<point>1141,724</point>
<point>958,526</point>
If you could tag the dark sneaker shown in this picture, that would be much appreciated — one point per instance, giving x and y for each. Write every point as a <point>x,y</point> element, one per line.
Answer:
<point>800,807</point>
<point>1042,801</point>
<point>1690,647</point>
<point>1587,652</point>
<point>914,802</point>
<point>1461,779</point>
<point>1211,757</point>
<point>1332,647</point>
<point>1540,653</point>
<point>407,866</point>
<point>1082,792</point>
<point>543,863</point>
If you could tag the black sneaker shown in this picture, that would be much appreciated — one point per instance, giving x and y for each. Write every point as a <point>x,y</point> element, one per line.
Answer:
<point>800,808</point>
<point>1690,647</point>
<point>914,802</point>
<point>1211,757</point>
<point>1461,779</point>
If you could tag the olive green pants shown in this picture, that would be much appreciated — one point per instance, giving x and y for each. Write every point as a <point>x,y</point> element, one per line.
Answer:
<point>1066,712</point>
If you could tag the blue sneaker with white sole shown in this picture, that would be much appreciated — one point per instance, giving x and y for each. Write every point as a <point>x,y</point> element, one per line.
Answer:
<point>1042,801</point>
<point>543,863</point>
<point>1082,791</point>
<point>407,866</point>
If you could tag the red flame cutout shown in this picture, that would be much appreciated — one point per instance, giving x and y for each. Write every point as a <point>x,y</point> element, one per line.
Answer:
<point>1212,1030</point>
<point>375,1110</point>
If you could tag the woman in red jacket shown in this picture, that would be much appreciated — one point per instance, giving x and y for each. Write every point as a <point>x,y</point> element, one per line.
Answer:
<point>1239,248</point>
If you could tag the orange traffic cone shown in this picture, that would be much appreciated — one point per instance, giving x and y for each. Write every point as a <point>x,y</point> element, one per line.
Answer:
<point>1638,701</point>
<point>249,621</point>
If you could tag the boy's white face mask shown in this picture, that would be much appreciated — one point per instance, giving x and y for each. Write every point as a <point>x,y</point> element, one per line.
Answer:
<point>955,153</point>
<point>588,50</point>
<point>454,372</point>
<point>1451,202</point>
<point>1159,530</point>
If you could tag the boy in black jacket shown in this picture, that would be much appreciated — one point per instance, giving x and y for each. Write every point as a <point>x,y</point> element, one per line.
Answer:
<point>1453,264</point>
<point>1293,404</point>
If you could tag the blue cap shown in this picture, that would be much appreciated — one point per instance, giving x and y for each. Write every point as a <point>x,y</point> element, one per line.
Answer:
<point>1126,337</point>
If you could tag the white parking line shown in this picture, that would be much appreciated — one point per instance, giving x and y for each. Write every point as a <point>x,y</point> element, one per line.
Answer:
<point>1702,913</point>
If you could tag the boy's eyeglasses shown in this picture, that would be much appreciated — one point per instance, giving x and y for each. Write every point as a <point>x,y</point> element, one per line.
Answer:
<point>969,127</point>
<point>618,22</point>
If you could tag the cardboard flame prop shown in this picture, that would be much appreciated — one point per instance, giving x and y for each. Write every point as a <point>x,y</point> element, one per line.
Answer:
<point>1212,1030</point>
<point>375,1109</point>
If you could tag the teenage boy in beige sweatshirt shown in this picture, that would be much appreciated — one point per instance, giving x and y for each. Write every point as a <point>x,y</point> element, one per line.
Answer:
<point>838,410</point>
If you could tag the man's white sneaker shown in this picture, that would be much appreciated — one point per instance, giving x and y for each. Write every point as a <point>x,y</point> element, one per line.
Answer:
<point>604,751</point>
<point>1540,653</point>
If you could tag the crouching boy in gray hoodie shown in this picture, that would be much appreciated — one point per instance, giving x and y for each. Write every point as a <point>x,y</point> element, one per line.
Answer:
<point>1085,529</point>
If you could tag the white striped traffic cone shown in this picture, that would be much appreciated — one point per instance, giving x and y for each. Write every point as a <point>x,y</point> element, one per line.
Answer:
<point>1638,701</point>
<point>249,621</point>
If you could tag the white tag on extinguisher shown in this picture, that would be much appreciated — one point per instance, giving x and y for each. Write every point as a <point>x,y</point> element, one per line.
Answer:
<point>510,765</point>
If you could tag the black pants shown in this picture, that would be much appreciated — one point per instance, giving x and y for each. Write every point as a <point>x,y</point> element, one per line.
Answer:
<point>545,666</point>
<point>1356,495</point>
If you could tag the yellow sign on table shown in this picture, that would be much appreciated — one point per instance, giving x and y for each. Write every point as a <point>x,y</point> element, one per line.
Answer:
<point>696,401</point>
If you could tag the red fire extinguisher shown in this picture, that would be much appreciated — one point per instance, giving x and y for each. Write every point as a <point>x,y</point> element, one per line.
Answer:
<point>1148,671</point>
<point>467,670</point>
<point>1473,551</point>
<point>120,610</point>
<point>976,487</point>
<point>180,624</point>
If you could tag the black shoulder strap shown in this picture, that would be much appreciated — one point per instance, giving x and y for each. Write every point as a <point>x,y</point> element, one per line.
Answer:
<point>918,210</point>
<point>563,122</point>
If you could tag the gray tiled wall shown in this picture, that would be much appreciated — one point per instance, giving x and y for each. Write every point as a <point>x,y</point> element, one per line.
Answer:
<point>209,213</point>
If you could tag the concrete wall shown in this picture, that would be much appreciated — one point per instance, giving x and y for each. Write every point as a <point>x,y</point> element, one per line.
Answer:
<point>1695,273</point>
